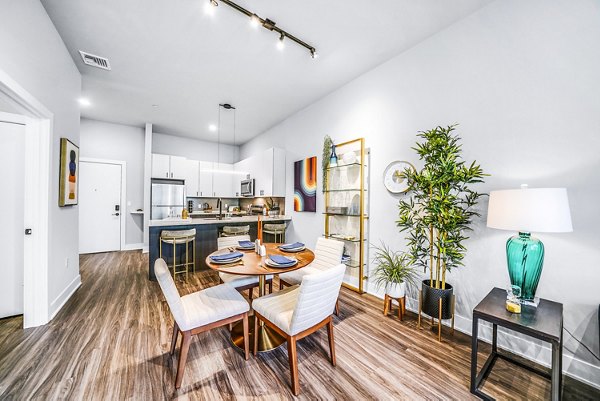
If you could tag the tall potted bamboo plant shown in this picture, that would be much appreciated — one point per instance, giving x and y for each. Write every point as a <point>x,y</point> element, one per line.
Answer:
<point>439,212</point>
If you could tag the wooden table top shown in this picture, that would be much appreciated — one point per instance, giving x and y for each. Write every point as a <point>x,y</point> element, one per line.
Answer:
<point>254,265</point>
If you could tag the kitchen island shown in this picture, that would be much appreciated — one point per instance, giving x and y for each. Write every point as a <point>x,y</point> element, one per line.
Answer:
<point>207,232</point>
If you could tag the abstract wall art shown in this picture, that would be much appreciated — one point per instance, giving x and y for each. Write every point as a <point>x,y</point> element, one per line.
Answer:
<point>69,173</point>
<point>305,185</point>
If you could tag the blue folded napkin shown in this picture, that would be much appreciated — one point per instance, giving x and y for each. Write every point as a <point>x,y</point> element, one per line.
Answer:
<point>281,260</point>
<point>227,256</point>
<point>246,244</point>
<point>292,246</point>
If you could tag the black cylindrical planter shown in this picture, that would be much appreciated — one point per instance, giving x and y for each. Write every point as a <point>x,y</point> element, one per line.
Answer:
<point>431,299</point>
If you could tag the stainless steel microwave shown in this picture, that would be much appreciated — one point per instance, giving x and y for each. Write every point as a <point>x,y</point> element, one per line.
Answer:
<point>247,187</point>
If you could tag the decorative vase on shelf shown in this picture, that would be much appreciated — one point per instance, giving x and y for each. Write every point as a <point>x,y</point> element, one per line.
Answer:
<point>333,159</point>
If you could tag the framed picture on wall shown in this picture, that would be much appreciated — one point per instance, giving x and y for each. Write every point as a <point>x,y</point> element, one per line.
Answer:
<point>305,185</point>
<point>68,193</point>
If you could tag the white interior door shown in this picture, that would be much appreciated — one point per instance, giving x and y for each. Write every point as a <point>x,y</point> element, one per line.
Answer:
<point>12,140</point>
<point>100,209</point>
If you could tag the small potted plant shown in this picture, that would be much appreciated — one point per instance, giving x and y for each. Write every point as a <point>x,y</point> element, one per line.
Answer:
<point>393,269</point>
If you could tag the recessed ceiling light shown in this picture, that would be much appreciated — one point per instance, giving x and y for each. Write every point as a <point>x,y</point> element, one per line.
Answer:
<point>155,106</point>
<point>85,102</point>
<point>212,128</point>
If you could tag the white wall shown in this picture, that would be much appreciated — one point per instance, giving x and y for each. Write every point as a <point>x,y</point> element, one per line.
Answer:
<point>194,149</point>
<point>521,78</point>
<point>105,140</point>
<point>33,54</point>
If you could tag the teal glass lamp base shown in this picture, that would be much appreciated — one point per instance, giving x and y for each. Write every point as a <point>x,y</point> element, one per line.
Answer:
<point>525,257</point>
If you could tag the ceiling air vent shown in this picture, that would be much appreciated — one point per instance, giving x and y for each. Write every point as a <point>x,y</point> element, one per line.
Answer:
<point>95,61</point>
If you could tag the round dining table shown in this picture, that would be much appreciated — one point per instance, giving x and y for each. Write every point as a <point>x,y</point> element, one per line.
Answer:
<point>253,264</point>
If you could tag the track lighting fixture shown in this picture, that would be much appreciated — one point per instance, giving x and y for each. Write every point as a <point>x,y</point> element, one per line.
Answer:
<point>266,23</point>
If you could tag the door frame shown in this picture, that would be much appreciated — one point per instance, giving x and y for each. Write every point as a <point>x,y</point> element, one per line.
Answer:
<point>39,123</point>
<point>123,196</point>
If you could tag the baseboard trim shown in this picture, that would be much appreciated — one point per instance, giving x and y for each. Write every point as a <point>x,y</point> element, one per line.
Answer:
<point>145,249</point>
<point>133,247</point>
<point>64,296</point>
<point>576,368</point>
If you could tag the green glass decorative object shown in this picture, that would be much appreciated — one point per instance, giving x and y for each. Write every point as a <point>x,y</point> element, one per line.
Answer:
<point>525,256</point>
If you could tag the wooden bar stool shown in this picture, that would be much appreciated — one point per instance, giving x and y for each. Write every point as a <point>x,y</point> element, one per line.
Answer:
<point>387,306</point>
<point>275,230</point>
<point>180,237</point>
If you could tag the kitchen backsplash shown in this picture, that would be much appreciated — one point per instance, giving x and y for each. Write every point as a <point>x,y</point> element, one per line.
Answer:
<point>199,204</point>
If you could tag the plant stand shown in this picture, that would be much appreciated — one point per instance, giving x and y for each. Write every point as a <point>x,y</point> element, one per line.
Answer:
<point>439,318</point>
<point>387,305</point>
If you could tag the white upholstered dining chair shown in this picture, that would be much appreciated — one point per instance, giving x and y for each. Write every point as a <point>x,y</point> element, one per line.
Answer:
<point>200,311</point>
<point>241,283</point>
<point>299,311</point>
<point>328,253</point>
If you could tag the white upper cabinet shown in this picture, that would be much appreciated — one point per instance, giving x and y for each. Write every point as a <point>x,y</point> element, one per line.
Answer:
<point>178,167</point>
<point>206,179</point>
<point>192,178</point>
<point>269,172</point>
<point>165,166</point>
<point>160,166</point>
<point>222,181</point>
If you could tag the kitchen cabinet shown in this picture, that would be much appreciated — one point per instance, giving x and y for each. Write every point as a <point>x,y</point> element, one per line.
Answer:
<point>165,166</point>
<point>270,172</point>
<point>178,167</point>
<point>160,166</point>
<point>206,178</point>
<point>192,178</point>
<point>223,180</point>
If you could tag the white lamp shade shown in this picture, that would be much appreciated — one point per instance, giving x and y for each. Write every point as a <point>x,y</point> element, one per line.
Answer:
<point>543,210</point>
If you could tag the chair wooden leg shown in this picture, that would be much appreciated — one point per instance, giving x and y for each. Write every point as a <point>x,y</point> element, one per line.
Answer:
<point>246,338</point>
<point>185,346</point>
<point>250,294</point>
<point>280,285</point>
<point>293,356</point>
<point>337,307</point>
<point>331,342</point>
<point>271,286</point>
<point>255,348</point>
<point>175,336</point>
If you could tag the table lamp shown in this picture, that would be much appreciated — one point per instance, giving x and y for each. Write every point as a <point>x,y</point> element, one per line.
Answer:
<point>527,210</point>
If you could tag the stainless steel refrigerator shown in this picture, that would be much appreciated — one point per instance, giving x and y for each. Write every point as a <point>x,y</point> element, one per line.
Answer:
<point>168,199</point>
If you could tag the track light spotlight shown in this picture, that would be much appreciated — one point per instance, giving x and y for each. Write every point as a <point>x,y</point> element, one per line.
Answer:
<point>209,7</point>
<point>280,42</point>
<point>266,23</point>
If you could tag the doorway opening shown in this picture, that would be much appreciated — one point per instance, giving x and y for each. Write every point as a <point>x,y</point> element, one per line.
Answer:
<point>37,122</point>
<point>102,189</point>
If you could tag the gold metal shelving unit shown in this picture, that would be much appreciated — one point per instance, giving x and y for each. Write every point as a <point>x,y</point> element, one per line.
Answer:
<point>346,187</point>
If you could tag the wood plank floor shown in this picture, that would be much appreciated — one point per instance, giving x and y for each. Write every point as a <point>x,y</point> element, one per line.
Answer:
<point>111,341</point>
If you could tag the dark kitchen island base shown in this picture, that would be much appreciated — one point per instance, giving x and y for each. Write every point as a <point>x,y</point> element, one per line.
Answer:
<point>207,233</point>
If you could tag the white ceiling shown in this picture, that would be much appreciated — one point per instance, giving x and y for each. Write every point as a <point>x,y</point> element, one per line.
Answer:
<point>169,53</point>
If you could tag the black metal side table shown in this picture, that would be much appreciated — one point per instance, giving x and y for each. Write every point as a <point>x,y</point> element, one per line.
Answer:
<point>544,323</point>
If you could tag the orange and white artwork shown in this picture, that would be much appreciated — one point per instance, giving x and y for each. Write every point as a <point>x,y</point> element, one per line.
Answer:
<point>69,173</point>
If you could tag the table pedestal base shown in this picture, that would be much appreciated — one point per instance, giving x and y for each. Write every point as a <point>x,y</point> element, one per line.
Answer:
<point>268,339</point>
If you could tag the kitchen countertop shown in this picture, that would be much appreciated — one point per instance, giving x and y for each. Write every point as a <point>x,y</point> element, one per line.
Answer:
<point>206,221</point>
